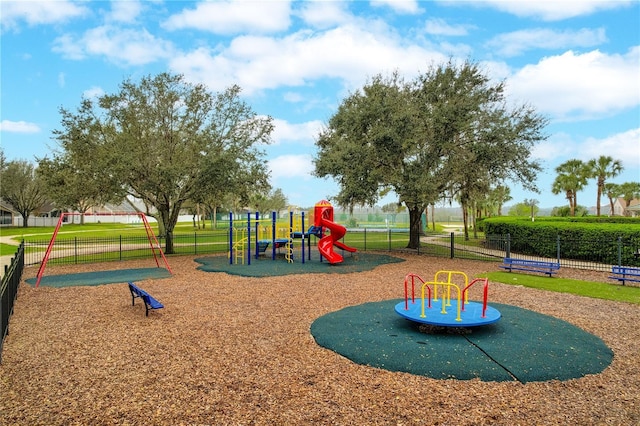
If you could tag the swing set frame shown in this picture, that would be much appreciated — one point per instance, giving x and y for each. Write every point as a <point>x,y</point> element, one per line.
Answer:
<point>153,242</point>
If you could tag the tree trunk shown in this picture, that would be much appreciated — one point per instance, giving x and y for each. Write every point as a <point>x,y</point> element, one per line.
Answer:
<point>474,218</point>
<point>162,231</point>
<point>611,206</point>
<point>164,222</point>
<point>415,226</point>
<point>572,204</point>
<point>170,219</point>
<point>25,220</point>
<point>433,217</point>
<point>426,218</point>
<point>465,221</point>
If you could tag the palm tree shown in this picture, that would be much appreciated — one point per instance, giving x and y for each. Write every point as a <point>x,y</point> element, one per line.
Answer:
<point>603,168</point>
<point>572,177</point>
<point>612,191</point>
<point>498,196</point>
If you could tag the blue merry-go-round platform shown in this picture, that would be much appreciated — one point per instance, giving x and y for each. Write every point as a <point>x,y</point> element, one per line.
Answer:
<point>471,316</point>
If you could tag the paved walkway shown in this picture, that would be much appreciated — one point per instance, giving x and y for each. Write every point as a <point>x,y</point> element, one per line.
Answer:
<point>6,260</point>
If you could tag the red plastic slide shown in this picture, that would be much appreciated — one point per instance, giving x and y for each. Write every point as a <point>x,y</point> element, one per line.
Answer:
<point>324,219</point>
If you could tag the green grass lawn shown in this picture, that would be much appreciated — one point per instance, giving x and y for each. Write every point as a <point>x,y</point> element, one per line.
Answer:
<point>87,230</point>
<point>597,290</point>
<point>7,249</point>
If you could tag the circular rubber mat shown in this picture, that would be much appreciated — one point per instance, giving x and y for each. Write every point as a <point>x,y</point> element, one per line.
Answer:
<point>523,346</point>
<point>266,267</point>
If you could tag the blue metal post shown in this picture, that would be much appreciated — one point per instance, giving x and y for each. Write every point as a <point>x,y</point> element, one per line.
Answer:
<point>290,236</point>
<point>273,235</point>
<point>248,238</point>
<point>230,238</point>
<point>257,234</point>
<point>303,237</point>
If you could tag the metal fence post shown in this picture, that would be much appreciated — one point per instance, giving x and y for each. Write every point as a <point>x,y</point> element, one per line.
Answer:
<point>365,239</point>
<point>558,248</point>
<point>619,251</point>
<point>508,248</point>
<point>451,237</point>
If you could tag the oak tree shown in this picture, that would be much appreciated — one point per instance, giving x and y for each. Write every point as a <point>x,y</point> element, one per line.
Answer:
<point>448,132</point>
<point>165,141</point>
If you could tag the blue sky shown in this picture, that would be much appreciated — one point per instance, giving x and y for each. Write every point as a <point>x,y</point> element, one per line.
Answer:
<point>576,62</point>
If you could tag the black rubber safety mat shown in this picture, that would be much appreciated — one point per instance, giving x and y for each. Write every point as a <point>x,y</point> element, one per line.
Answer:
<point>522,346</point>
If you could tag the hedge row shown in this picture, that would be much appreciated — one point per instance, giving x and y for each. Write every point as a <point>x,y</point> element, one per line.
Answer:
<point>606,240</point>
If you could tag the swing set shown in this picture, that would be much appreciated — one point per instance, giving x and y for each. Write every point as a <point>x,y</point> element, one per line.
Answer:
<point>153,243</point>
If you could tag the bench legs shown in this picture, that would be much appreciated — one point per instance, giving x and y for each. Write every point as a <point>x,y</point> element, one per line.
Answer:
<point>539,271</point>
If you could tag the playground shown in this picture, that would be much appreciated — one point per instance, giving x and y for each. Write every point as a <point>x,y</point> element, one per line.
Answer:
<point>237,349</point>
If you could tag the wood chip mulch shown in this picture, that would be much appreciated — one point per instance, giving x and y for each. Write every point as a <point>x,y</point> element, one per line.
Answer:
<point>238,351</point>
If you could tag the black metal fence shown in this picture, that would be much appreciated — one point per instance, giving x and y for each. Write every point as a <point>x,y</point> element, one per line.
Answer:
<point>595,255</point>
<point>9,291</point>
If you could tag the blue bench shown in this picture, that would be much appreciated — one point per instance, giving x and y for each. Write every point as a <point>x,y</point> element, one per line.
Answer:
<point>149,302</point>
<point>548,268</point>
<point>625,273</point>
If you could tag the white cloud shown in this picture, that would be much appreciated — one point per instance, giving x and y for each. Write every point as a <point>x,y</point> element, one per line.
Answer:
<point>291,166</point>
<point>293,97</point>
<point>233,17</point>
<point>438,26</point>
<point>622,146</point>
<point>349,53</point>
<point>38,12</point>
<point>93,92</point>
<point>304,133</point>
<point>399,6</point>
<point>325,14</point>
<point>125,11</point>
<point>559,145</point>
<point>549,10</point>
<point>518,42</point>
<point>496,70</point>
<point>18,127</point>
<point>121,46</point>
<point>578,86</point>
<point>69,47</point>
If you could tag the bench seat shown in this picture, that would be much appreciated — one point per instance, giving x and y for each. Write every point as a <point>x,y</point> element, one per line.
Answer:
<point>625,273</point>
<point>149,302</point>
<point>538,266</point>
